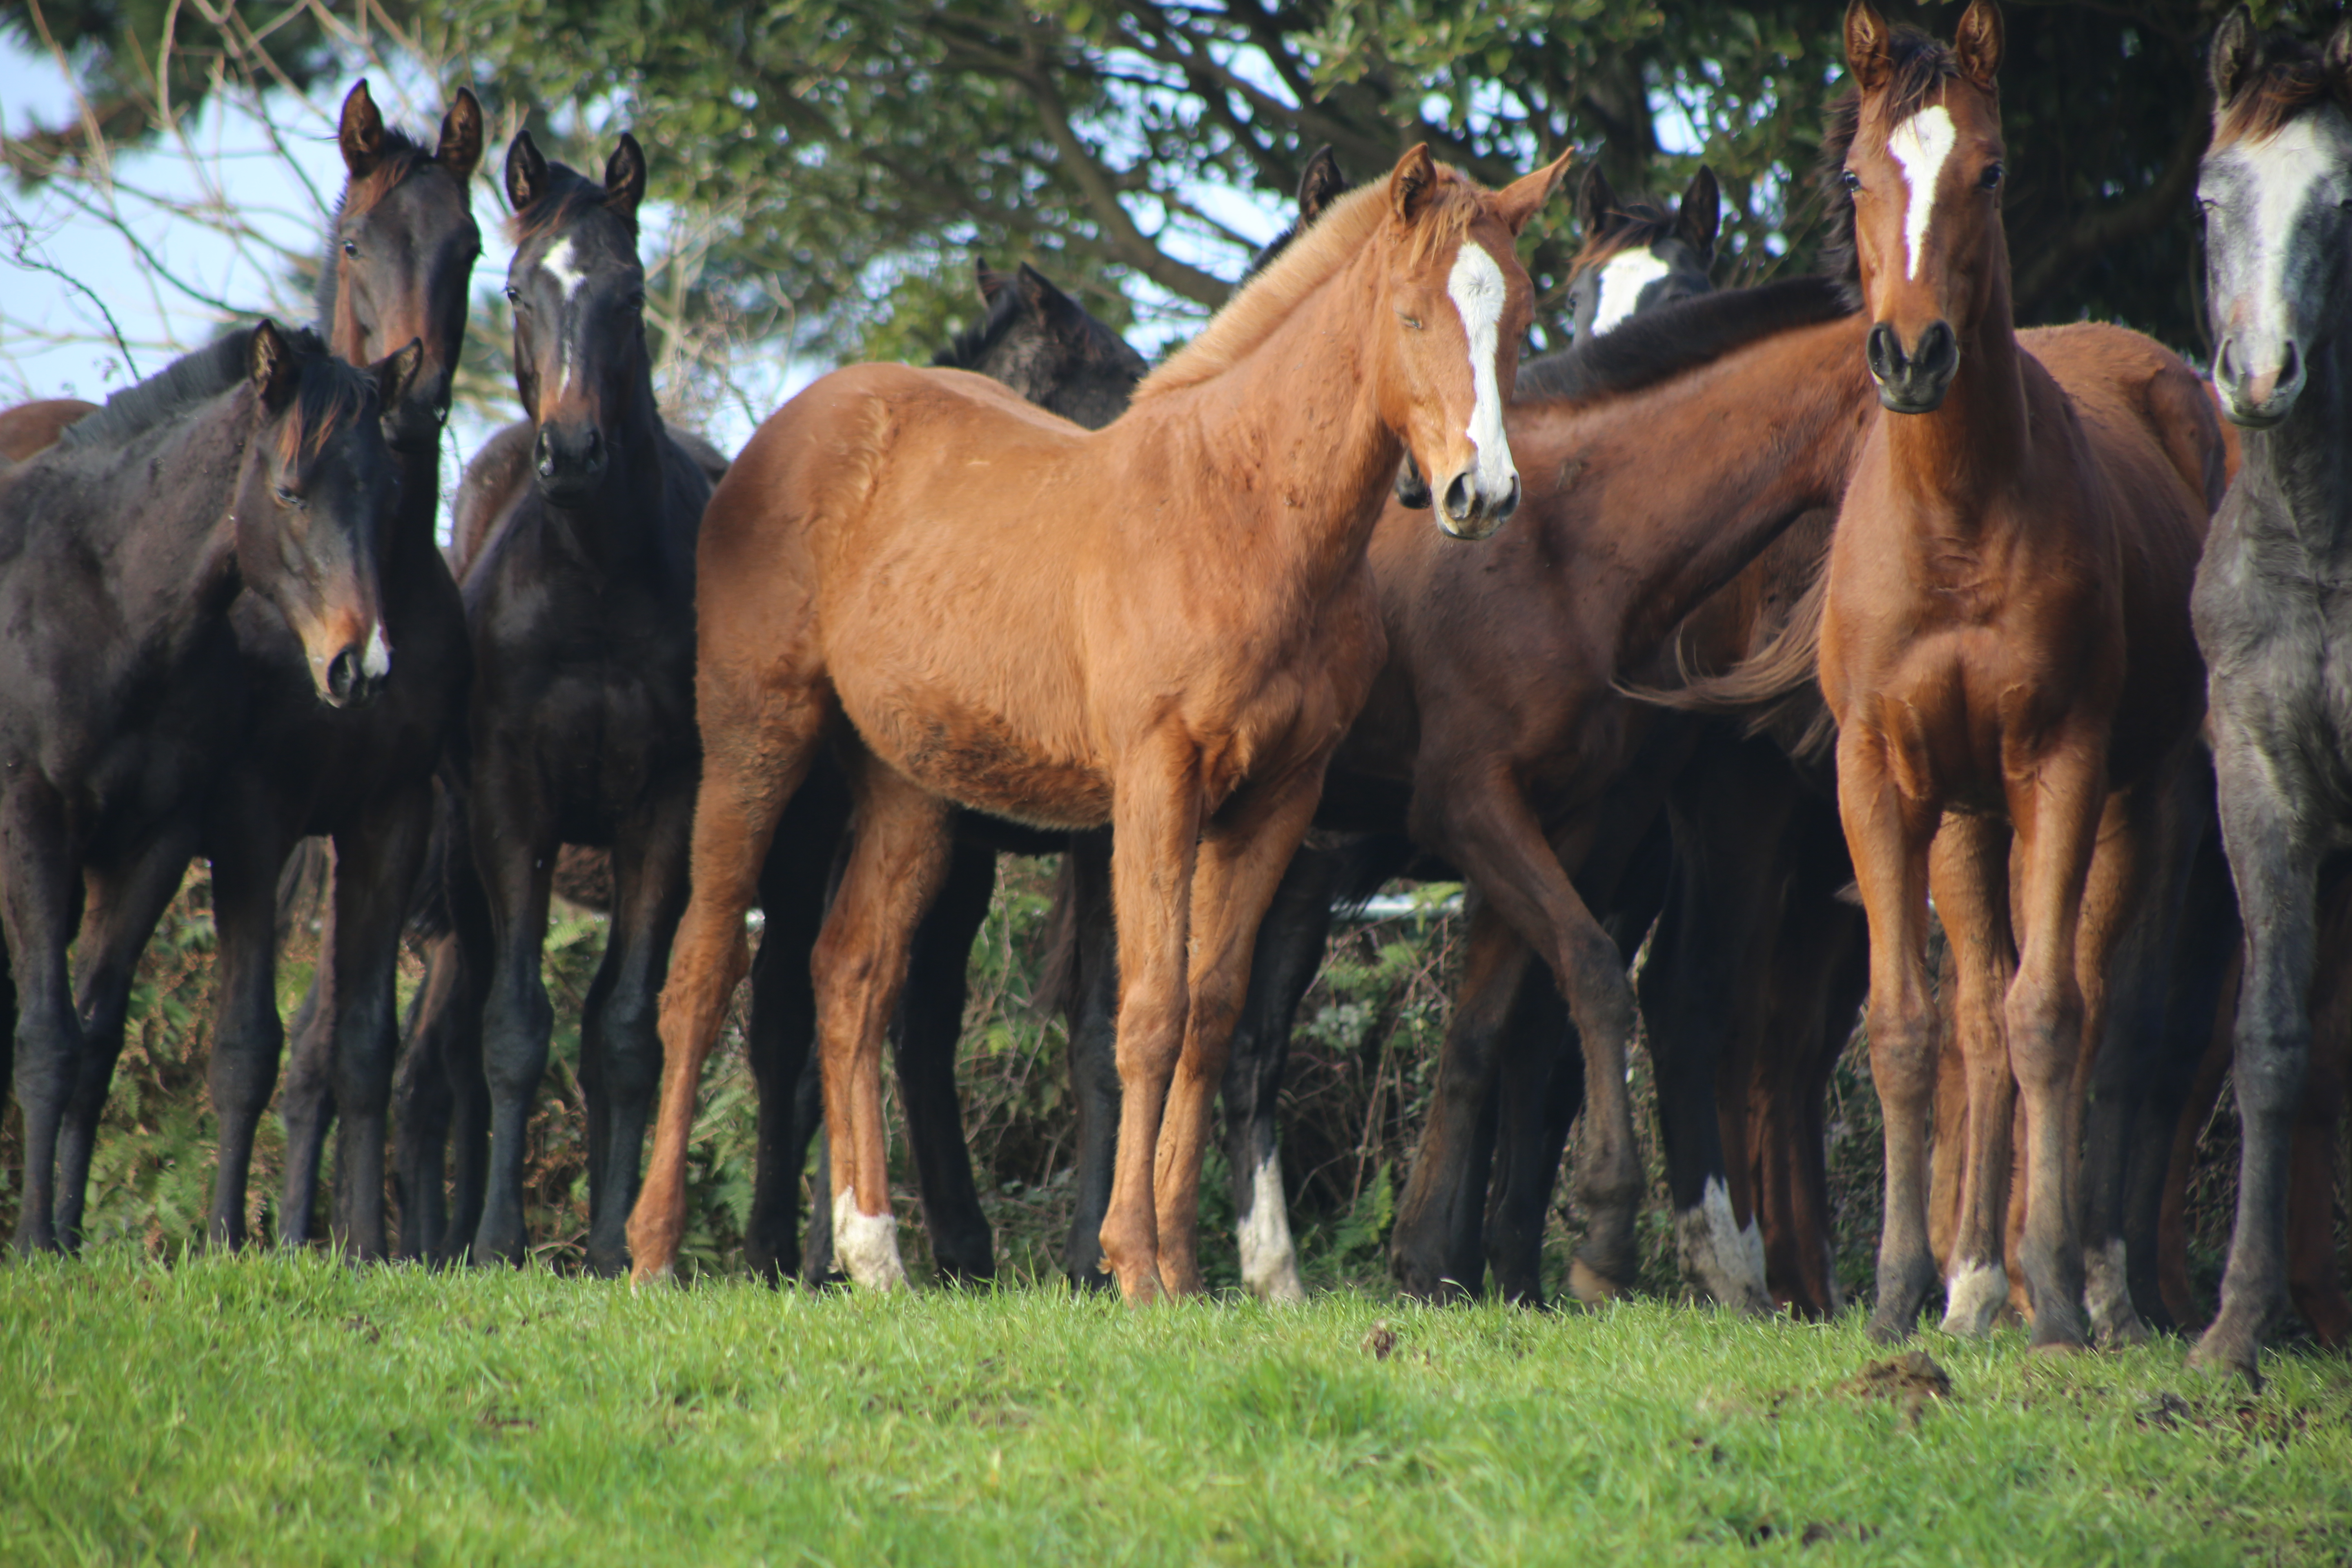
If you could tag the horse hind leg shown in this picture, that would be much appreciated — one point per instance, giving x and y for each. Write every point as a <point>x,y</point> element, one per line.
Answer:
<point>1969,869</point>
<point>2312,1282</point>
<point>923,1044</point>
<point>1090,1012</point>
<point>901,840</point>
<point>757,743</point>
<point>38,886</point>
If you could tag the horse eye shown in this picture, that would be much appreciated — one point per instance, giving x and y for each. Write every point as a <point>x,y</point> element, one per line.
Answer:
<point>1849,179</point>
<point>351,248</point>
<point>1413,322</point>
<point>1990,178</point>
<point>513,296</point>
<point>287,499</point>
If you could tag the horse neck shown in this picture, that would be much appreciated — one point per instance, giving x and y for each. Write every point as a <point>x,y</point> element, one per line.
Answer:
<point>1951,462</point>
<point>1736,503</point>
<point>412,545</point>
<point>174,566</point>
<point>2303,466</point>
<point>1296,432</point>
<point>619,526</point>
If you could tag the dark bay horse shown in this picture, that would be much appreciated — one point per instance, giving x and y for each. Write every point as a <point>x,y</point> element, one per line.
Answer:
<point>582,721</point>
<point>2274,189</point>
<point>257,464</point>
<point>1185,659</point>
<point>401,244</point>
<point>1637,256</point>
<point>2017,520</point>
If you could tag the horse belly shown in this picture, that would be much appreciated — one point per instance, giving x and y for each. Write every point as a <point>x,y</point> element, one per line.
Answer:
<point>978,760</point>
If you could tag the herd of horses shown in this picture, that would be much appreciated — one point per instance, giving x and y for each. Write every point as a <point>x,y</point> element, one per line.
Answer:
<point>1774,626</point>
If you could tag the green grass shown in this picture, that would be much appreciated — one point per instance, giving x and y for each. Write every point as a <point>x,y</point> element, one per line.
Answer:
<point>272,1409</point>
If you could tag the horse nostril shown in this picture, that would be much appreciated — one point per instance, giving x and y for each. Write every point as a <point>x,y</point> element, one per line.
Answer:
<point>1457,496</point>
<point>594,449</point>
<point>344,677</point>
<point>1509,503</point>
<point>1882,351</point>
<point>545,449</point>
<point>1940,352</point>
<point>2290,370</point>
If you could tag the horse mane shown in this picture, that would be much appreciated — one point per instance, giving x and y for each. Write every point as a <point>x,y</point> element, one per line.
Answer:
<point>1329,244</point>
<point>195,377</point>
<point>401,155</point>
<point>1636,225</point>
<point>1658,346</point>
<point>2293,79</point>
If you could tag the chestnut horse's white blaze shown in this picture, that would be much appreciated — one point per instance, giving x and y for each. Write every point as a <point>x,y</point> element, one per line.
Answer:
<point>1476,288</point>
<point>1921,144</point>
<point>1619,293</point>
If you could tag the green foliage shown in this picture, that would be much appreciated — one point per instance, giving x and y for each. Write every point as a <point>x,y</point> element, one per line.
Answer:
<point>269,1409</point>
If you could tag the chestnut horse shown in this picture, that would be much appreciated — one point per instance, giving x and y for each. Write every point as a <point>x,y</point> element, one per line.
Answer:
<point>2273,188</point>
<point>2005,540</point>
<point>1166,625</point>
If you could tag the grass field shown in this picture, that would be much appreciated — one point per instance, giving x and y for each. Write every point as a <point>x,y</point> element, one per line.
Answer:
<point>274,1409</point>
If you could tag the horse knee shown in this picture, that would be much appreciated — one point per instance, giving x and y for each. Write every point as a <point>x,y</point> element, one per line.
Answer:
<point>2043,1020</point>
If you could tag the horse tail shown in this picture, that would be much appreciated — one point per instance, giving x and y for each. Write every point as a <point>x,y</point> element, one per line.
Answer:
<point>1769,688</point>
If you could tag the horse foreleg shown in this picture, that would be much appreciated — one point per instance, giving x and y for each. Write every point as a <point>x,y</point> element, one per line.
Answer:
<point>1969,869</point>
<point>305,1100</point>
<point>1537,1093</point>
<point>1435,1250</point>
<point>2058,809</point>
<point>248,848</point>
<point>2312,1282</point>
<point>923,1040</point>
<point>1243,855</point>
<point>1155,839</point>
<point>901,842</point>
<point>1291,938</point>
<point>423,1107</point>
<point>619,1029</point>
<point>38,887</point>
<point>515,848</point>
<point>1091,1015</point>
<point>119,915</point>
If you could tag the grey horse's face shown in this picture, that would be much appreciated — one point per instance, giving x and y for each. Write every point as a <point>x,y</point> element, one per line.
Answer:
<point>2278,225</point>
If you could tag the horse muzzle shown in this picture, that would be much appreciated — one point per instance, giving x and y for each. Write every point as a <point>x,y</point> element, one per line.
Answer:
<point>357,672</point>
<point>1912,381</point>
<point>569,461</point>
<point>1471,509</point>
<point>2258,399</point>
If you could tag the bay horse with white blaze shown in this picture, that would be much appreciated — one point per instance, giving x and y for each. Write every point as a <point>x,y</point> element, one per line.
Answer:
<point>2275,190</point>
<point>1165,624</point>
<point>2006,648</point>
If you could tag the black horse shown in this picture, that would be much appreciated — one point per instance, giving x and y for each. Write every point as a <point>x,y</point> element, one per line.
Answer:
<point>2270,617</point>
<point>257,464</point>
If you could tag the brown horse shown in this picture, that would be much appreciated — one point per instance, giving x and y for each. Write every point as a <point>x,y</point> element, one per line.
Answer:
<point>1165,624</point>
<point>2006,538</point>
<point>31,428</point>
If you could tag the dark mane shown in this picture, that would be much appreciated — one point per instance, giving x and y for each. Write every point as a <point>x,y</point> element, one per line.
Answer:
<point>1659,345</point>
<point>1634,225</point>
<point>2294,76</point>
<point>193,378</point>
<point>401,157</point>
<point>970,346</point>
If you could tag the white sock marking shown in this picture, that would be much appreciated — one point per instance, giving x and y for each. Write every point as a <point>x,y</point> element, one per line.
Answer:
<point>1921,144</point>
<point>1720,1256</point>
<point>1974,1298</point>
<point>1269,1261</point>
<point>865,1245</point>
<point>1619,293</point>
<point>377,660</point>
<point>1476,288</point>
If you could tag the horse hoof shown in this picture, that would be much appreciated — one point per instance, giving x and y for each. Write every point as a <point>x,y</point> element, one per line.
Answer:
<point>1974,1299</point>
<point>1590,1286</point>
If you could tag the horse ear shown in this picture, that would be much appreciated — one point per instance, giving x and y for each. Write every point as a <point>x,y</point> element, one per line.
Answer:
<point>624,178</point>
<point>1976,44</point>
<point>395,372</point>
<point>2237,50</point>
<point>1700,217</point>
<point>360,135</point>
<point>1868,57</point>
<point>2337,60</point>
<point>526,171</point>
<point>1520,201</point>
<point>270,362</point>
<point>992,284</point>
<point>461,136</point>
<point>1052,306</point>
<point>1413,184</point>
<point>1595,200</point>
<point>1319,184</point>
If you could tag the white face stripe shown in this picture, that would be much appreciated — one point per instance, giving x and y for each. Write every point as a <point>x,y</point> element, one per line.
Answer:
<point>1618,292</point>
<point>561,266</point>
<point>2285,173</point>
<point>1476,288</point>
<point>1921,144</point>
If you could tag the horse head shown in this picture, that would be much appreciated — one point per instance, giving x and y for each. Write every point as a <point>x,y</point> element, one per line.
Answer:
<point>579,296</point>
<point>2276,195</point>
<point>1043,345</point>
<point>316,484</point>
<point>1454,305</point>
<point>1636,255</point>
<point>403,247</point>
<point>1924,173</point>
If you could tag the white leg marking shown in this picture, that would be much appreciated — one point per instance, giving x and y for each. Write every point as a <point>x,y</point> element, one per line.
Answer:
<point>1269,1261</point>
<point>1478,292</point>
<point>1619,293</point>
<point>2106,1291</point>
<point>1920,144</point>
<point>1974,1298</point>
<point>377,660</point>
<point>1721,1259</point>
<point>865,1246</point>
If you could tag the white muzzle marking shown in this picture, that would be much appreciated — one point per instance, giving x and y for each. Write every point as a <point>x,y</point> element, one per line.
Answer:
<point>376,661</point>
<point>1617,295</point>
<point>1478,292</point>
<point>1921,144</point>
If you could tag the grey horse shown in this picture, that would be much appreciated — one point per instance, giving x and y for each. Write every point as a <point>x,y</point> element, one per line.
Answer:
<point>2271,612</point>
